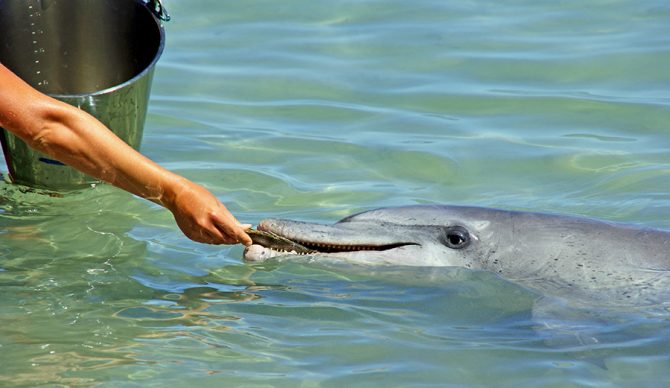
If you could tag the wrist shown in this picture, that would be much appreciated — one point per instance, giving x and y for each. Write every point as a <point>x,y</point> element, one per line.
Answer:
<point>174,188</point>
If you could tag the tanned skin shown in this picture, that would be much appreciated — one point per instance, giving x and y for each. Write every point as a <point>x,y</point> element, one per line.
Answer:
<point>78,139</point>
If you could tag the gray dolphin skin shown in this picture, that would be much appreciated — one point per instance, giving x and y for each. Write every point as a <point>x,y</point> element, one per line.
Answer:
<point>548,253</point>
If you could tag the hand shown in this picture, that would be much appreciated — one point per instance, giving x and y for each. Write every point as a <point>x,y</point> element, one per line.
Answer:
<point>203,218</point>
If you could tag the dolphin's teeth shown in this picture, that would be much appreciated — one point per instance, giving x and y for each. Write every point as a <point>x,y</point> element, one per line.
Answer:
<point>312,247</point>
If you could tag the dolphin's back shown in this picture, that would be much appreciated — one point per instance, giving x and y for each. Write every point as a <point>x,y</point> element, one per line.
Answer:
<point>594,241</point>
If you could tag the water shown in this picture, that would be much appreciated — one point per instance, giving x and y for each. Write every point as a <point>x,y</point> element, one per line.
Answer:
<point>313,110</point>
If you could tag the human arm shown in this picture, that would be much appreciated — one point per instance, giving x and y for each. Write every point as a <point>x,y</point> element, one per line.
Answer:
<point>78,139</point>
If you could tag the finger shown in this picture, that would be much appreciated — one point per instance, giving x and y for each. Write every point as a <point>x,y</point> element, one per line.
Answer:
<point>217,237</point>
<point>235,234</point>
<point>232,228</point>
<point>244,238</point>
<point>224,218</point>
<point>212,235</point>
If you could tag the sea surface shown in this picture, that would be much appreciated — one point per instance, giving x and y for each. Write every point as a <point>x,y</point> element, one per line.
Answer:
<point>314,110</point>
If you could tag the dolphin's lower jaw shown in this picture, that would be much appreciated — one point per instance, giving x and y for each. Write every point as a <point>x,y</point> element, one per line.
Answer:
<point>396,255</point>
<point>257,253</point>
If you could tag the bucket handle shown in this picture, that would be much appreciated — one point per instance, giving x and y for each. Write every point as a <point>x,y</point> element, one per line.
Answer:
<point>158,9</point>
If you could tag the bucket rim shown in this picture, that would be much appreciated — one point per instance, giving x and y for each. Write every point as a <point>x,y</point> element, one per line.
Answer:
<point>132,80</point>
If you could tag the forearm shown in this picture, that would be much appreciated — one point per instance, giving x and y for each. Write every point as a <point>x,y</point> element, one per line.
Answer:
<point>81,141</point>
<point>78,139</point>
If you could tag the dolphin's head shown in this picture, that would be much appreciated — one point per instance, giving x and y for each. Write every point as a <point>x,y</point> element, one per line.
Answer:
<point>411,235</point>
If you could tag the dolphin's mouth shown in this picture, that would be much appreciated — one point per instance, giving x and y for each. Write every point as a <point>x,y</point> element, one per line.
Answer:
<point>278,243</point>
<point>270,242</point>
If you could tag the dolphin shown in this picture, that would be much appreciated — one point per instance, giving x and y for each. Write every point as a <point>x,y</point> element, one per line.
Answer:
<point>556,255</point>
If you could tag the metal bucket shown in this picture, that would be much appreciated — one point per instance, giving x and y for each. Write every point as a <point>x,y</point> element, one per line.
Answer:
<point>98,55</point>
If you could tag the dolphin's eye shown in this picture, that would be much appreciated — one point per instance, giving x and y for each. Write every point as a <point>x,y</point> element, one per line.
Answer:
<point>457,237</point>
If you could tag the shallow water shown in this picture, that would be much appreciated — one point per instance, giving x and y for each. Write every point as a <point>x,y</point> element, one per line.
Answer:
<point>313,110</point>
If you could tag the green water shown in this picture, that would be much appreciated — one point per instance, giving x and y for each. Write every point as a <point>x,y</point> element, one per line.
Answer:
<point>316,109</point>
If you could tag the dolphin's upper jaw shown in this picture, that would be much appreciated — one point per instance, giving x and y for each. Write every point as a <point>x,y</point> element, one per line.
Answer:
<point>325,240</point>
